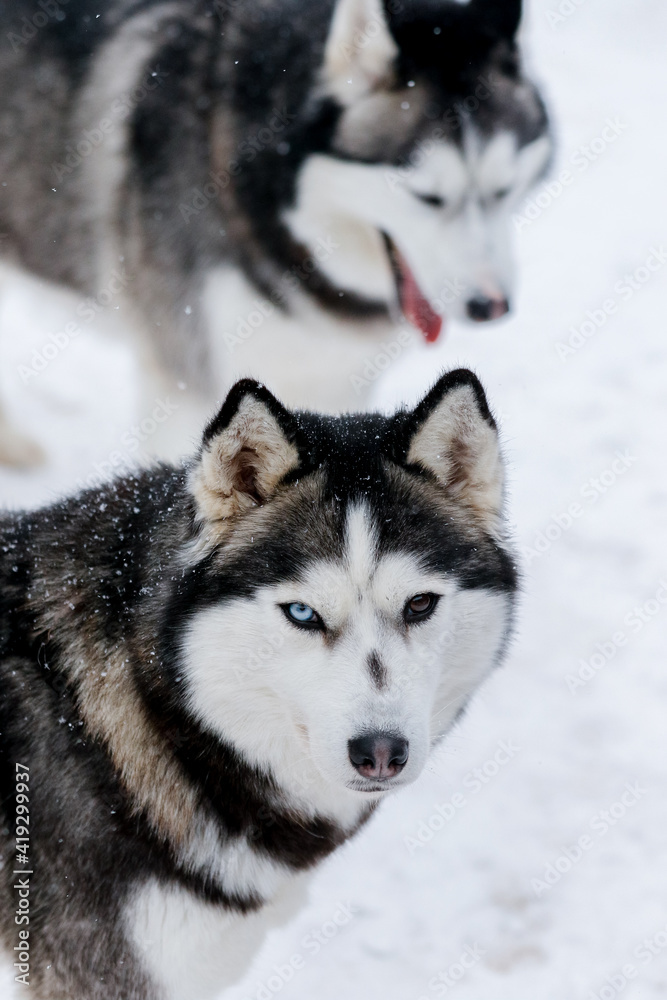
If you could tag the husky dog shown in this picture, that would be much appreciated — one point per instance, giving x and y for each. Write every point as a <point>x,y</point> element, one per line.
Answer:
<point>211,674</point>
<point>262,181</point>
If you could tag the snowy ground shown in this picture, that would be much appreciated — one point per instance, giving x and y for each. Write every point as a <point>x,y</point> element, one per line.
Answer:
<point>587,760</point>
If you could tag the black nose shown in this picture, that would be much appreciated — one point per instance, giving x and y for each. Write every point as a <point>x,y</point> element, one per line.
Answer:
<point>482,308</point>
<point>378,755</point>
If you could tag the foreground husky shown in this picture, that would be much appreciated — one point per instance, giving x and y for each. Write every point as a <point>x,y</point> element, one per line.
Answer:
<point>263,181</point>
<point>210,676</point>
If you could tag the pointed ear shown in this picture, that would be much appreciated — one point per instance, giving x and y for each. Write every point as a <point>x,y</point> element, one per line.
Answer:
<point>246,450</point>
<point>454,437</point>
<point>360,51</point>
<point>503,15</point>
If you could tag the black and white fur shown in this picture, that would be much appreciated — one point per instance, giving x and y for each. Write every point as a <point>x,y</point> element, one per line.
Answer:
<point>193,750</point>
<point>273,178</point>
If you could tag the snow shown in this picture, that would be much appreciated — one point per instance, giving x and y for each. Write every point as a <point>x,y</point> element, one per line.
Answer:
<point>572,754</point>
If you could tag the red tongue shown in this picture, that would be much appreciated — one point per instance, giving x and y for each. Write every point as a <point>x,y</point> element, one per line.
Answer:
<point>415,306</point>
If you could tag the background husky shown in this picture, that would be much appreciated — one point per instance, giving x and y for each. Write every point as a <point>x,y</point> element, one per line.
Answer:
<point>259,180</point>
<point>180,784</point>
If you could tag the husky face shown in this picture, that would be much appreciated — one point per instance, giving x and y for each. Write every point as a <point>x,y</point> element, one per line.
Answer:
<point>213,672</point>
<point>438,139</point>
<point>372,589</point>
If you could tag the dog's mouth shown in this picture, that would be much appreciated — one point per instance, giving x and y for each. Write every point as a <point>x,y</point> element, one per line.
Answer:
<point>363,785</point>
<point>414,305</point>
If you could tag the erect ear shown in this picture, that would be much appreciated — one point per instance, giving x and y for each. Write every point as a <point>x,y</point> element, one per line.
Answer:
<point>454,437</point>
<point>503,15</point>
<point>246,450</point>
<point>360,51</point>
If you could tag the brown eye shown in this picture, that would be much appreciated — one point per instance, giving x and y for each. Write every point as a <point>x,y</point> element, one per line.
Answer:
<point>420,607</point>
<point>435,200</point>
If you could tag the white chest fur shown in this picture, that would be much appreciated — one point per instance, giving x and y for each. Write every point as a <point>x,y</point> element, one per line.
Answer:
<point>193,950</point>
<point>309,356</point>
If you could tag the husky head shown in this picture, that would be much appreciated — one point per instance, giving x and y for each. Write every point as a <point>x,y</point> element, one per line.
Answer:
<point>418,139</point>
<point>352,586</point>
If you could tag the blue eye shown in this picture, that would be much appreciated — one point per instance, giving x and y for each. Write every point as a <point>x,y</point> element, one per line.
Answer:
<point>302,615</point>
